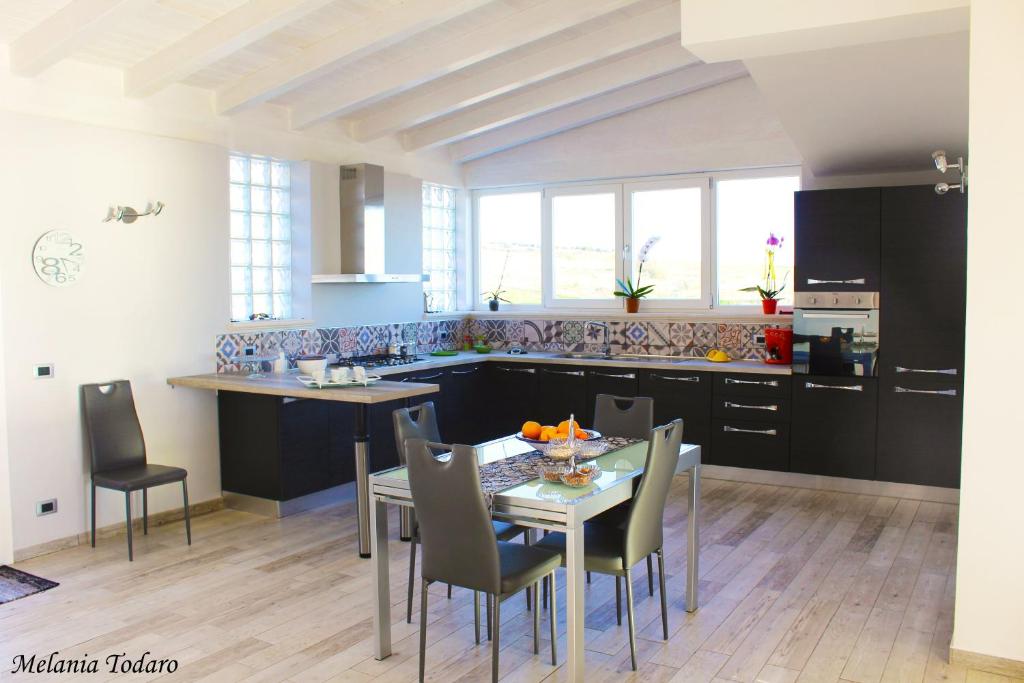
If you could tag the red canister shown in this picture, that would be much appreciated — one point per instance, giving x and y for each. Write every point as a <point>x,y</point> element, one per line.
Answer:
<point>778,345</point>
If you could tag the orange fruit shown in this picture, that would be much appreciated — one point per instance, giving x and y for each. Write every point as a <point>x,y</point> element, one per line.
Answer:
<point>544,436</point>
<point>563,426</point>
<point>531,429</point>
<point>580,434</point>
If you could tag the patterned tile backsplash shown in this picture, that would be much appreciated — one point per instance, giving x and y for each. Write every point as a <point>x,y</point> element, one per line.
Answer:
<point>661,337</point>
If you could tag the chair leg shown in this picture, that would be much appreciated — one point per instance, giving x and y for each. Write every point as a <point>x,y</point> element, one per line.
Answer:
<point>490,614</point>
<point>545,590</point>
<point>449,591</point>
<point>412,578</point>
<point>526,541</point>
<point>618,600</point>
<point>476,616</point>
<point>553,619</point>
<point>423,629</point>
<point>661,589</point>
<point>188,513</point>
<point>588,578</point>
<point>145,512</point>
<point>496,642</point>
<point>650,575</point>
<point>93,535</point>
<point>128,519</point>
<point>536,624</point>
<point>629,617</point>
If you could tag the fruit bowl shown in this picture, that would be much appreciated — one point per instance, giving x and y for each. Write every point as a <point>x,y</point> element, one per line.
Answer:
<point>592,435</point>
<point>579,478</point>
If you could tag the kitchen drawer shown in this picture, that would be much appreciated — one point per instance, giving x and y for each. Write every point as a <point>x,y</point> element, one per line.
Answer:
<point>758,408</point>
<point>612,381</point>
<point>834,426</point>
<point>757,445</point>
<point>751,384</point>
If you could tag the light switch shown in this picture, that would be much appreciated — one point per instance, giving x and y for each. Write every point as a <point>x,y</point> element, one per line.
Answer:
<point>44,371</point>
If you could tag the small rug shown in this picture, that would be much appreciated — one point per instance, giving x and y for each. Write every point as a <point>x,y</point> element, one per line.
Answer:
<point>15,584</point>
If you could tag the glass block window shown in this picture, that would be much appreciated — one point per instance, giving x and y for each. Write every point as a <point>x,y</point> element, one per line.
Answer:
<point>261,254</point>
<point>440,291</point>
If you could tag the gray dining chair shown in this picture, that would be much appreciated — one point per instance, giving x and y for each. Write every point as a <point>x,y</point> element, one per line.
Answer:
<point>460,547</point>
<point>614,550</point>
<point>117,453</point>
<point>420,422</point>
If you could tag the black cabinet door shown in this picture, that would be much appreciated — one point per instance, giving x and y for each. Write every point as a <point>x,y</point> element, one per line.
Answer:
<point>920,422</point>
<point>837,240</point>
<point>561,391</point>
<point>681,394</point>
<point>757,445</point>
<point>924,279</point>
<point>341,442</point>
<point>249,459</point>
<point>303,445</point>
<point>383,450</point>
<point>614,381</point>
<point>834,426</point>
<point>465,405</point>
<point>512,397</point>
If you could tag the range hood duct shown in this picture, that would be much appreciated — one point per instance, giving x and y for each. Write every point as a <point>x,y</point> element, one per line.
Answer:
<point>363,229</point>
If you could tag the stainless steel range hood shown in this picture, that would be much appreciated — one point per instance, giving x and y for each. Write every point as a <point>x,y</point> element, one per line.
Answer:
<point>363,229</point>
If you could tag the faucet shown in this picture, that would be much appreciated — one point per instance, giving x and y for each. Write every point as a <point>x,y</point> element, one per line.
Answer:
<point>597,323</point>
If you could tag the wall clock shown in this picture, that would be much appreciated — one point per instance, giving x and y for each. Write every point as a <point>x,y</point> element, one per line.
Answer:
<point>57,258</point>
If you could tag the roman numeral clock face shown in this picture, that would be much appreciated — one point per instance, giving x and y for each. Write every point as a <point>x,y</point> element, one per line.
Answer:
<point>57,258</point>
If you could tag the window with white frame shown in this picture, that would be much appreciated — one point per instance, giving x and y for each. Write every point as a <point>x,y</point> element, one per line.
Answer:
<point>440,290</point>
<point>567,246</point>
<point>261,260</point>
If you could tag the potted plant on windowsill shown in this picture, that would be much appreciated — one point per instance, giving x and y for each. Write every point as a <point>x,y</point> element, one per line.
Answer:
<point>771,290</point>
<point>633,294</point>
<point>494,296</point>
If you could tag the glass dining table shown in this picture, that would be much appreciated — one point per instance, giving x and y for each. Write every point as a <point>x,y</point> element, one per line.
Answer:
<point>538,504</point>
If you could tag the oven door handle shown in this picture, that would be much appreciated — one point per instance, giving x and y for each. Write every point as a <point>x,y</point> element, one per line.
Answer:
<point>836,316</point>
<point>854,281</point>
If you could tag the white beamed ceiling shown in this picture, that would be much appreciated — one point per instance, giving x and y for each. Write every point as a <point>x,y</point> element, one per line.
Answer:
<point>429,73</point>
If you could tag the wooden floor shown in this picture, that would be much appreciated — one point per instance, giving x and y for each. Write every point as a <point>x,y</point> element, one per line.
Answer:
<point>796,585</point>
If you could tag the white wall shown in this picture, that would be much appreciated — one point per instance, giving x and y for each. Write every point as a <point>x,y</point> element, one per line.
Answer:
<point>723,127</point>
<point>990,557</point>
<point>6,537</point>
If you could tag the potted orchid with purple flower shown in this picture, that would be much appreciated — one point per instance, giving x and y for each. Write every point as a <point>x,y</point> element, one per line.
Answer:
<point>771,290</point>
<point>626,290</point>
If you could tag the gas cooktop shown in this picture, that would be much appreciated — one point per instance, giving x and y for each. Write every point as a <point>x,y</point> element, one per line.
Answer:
<point>379,360</point>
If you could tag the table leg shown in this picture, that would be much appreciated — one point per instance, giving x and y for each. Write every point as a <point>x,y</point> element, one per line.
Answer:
<point>693,540</point>
<point>381,582</point>
<point>362,462</point>
<point>574,610</point>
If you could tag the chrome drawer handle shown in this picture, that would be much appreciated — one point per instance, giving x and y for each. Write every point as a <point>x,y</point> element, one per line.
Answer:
<point>574,373</point>
<point>942,371</point>
<point>627,375</point>
<point>687,378</point>
<point>421,379</point>
<point>933,392</point>
<point>730,404</point>
<point>765,432</point>
<point>765,383</point>
<point>844,387</point>
<point>527,370</point>
<point>854,281</point>
<point>465,372</point>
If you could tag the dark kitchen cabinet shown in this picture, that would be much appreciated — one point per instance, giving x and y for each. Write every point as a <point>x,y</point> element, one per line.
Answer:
<point>834,426</point>
<point>613,381</point>
<point>750,421</point>
<point>466,405</point>
<point>920,424</point>
<point>561,391</point>
<point>341,441</point>
<point>756,445</point>
<point>838,240</point>
<point>752,384</point>
<point>511,397</point>
<point>681,394</point>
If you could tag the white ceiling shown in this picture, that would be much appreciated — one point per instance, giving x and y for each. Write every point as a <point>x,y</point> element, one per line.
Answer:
<point>433,73</point>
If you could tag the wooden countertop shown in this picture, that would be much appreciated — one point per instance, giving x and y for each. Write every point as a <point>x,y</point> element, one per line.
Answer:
<point>286,385</point>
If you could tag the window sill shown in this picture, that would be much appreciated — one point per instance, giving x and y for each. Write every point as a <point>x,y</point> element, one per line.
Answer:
<point>261,325</point>
<point>716,314</point>
<point>446,316</point>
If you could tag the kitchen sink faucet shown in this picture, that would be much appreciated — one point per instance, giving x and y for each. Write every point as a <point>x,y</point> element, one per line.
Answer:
<point>597,323</point>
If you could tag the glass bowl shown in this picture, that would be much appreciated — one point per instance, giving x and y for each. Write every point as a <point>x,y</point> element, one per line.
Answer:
<point>552,472</point>
<point>558,449</point>
<point>579,479</point>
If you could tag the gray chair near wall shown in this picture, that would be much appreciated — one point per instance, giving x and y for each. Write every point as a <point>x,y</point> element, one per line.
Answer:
<point>459,544</point>
<point>118,454</point>
<point>614,550</point>
<point>420,422</point>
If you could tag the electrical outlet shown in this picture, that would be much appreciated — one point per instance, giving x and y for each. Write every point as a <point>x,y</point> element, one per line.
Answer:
<point>249,351</point>
<point>46,507</point>
<point>443,335</point>
<point>43,371</point>
<point>759,339</point>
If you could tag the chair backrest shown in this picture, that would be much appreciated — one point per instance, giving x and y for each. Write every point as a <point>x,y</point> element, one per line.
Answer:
<point>416,422</point>
<point>112,425</point>
<point>629,416</point>
<point>644,526</point>
<point>459,545</point>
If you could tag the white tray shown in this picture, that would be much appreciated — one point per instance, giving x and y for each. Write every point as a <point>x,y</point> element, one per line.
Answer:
<point>310,382</point>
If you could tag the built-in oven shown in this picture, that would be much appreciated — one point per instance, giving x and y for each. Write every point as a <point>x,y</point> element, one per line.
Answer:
<point>835,334</point>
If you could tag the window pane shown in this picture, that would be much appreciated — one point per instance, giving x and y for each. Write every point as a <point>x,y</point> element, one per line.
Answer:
<point>583,240</point>
<point>260,199</point>
<point>282,252</point>
<point>239,252</point>
<point>240,280</point>
<point>280,174</point>
<point>260,253</point>
<point>509,226</point>
<point>438,248</point>
<point>282,227</point>
<point>239,168</point>
<point>260,226</point>
<point>239,224</point>
<point>673,218</point>
<point>747,212</point>
<point>261,280</point>
<point>262,303</point>
<point>282,280</point>
<point>240,307</point>
<point>279,202</point>
<point>239,197</point>
<point>258,172</point>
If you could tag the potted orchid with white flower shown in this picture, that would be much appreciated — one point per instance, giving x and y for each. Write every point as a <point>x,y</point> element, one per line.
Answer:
<point>771,290</point>
<point>626,290</point>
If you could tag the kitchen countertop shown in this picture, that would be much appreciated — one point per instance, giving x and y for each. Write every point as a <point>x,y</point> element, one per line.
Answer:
<point>287,385</point>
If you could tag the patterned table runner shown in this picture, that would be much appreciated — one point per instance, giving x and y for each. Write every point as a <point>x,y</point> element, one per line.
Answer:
<point>500,475</point>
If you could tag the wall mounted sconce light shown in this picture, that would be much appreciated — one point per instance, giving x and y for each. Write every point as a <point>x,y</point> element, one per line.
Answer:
<point>942,164</point>
<point>127,214</point>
